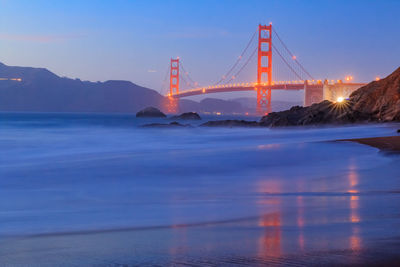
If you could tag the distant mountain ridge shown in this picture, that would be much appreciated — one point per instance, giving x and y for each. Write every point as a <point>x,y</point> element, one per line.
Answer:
<point>40,90</point>
<point>250,104</point>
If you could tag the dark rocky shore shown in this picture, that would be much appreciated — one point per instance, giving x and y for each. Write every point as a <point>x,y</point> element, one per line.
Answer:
<point>231,123</point>
<point>173,124</point>
<point>187,116</point>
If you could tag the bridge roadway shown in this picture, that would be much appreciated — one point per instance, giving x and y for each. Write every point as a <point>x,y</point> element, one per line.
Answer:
<point>246,87</point>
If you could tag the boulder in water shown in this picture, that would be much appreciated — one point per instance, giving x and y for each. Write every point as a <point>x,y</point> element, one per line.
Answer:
<point>166,125</point>
<point>187,116</point>
<point>150,112</point>
<point>230,123</point>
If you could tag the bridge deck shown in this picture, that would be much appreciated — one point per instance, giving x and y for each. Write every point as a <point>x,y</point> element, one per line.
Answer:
<point>252,87</point>
<point>211,90</point>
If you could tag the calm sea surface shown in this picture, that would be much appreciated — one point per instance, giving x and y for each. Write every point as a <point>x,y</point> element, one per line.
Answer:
<point>78,189</point>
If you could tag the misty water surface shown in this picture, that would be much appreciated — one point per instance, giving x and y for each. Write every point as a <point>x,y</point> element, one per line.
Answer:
<point>203,192</point>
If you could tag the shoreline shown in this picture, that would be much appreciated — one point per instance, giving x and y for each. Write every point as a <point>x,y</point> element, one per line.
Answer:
<point>387,143</point>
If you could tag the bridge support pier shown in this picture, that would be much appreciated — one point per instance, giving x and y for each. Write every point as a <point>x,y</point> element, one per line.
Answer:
<point>172,105</point>
<point>313,93</point>
<point>263,101</point>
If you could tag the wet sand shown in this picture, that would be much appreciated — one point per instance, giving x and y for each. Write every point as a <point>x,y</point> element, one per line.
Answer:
<point>388,143</point>
<point>264,241</point>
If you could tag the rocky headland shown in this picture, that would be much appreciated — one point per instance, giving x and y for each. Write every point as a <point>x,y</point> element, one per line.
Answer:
<point>378,101</point>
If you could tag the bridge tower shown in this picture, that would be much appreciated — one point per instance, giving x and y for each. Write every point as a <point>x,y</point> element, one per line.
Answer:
<point>264,69</point>
<point>173,85</point>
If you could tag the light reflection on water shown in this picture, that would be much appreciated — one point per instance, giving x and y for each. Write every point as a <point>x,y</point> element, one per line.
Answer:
<point>199,192</point>
<point>270,240</point>
<point>295,205</point>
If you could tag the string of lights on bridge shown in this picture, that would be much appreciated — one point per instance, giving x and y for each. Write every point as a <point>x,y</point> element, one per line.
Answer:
<point>287,58</point>
<point>254,85</point>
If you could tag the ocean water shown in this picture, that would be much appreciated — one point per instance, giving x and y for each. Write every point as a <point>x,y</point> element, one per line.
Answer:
<point>79,189</point>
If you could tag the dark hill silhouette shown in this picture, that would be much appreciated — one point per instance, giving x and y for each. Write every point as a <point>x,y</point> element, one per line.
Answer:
<point>377,101</point>
<point>250,104</point>
<point>43,91</point>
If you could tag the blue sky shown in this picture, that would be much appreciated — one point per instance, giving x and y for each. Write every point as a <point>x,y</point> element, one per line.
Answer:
<point>134,40</point>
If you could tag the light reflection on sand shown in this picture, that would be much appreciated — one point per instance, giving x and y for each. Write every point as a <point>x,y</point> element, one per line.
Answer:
<point>270,241</point>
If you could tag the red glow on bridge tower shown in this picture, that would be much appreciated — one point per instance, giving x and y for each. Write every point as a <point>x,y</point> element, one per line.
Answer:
<point>174,77</point>
<point>173,85</point>
<point>264,69</point>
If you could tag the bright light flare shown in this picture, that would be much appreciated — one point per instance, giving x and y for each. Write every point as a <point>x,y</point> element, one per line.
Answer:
<point>340,99</point>
<point>349,78</point>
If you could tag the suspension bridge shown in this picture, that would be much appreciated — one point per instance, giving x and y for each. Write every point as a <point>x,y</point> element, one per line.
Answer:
<point>286,66</point>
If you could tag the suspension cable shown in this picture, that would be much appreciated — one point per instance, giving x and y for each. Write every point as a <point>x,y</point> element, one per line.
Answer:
<point>186,73</point>
<point>244,65</point>
<point>163,87</point>
<point>287,64</point>
<point>291,54</point>
<point>237,60</point>
<point>185,81</point>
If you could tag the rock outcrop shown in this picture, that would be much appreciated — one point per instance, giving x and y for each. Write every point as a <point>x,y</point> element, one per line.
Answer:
<point>150,112</point>
<point>230,123</point>
<point>166,125</point>
<point>380,99</point>
<point>377,101</point>
<point>187,116</point>
<point>325,112</point>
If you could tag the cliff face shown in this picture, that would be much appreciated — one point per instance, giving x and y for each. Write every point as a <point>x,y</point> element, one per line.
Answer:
<point>380,99</point>
<point>377,101</point>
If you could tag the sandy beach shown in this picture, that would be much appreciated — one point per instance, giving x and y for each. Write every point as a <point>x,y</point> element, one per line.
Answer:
<point>387,143</point>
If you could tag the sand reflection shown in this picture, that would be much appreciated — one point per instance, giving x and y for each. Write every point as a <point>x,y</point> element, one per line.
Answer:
<point>354,205</point>
<point>300,221</point>
<point>269,244</point>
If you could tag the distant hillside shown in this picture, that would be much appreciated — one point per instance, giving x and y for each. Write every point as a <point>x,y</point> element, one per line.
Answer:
<point>276,105</point>
<point>42,91</point>
<point>210,105</point>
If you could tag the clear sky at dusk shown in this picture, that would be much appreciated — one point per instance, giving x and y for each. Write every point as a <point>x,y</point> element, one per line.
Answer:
<point>134,40</point>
